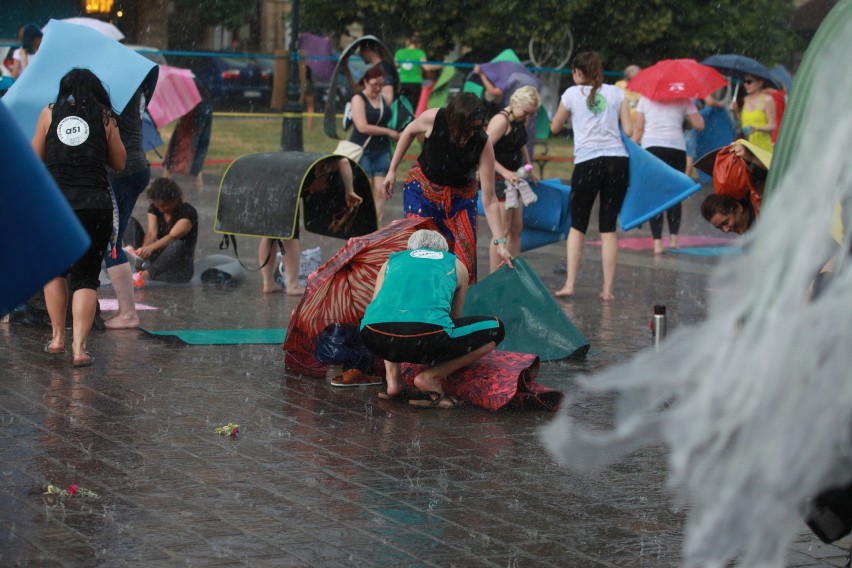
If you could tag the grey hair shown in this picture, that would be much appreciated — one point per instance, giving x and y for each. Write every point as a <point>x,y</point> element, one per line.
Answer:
<point>427,239</point>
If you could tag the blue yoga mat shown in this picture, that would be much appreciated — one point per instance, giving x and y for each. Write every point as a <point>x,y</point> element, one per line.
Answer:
<point>654,186</point>
<point>41,233</point>
<point>706,251</point>
<point>548,219</point>
<point>64,47</point>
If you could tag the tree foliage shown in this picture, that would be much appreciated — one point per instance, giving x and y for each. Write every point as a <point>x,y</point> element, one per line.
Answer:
<point>624,31</point>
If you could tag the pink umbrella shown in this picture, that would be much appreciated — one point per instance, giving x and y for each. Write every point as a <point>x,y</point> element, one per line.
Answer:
<point>677,79</point>
<point>175,95</point>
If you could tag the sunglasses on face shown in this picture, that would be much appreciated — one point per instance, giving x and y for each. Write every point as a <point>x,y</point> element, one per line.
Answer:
<point>749,81</point>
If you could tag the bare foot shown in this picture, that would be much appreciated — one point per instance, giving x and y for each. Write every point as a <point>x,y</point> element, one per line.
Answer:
<point>564,292</point>
<point>122,322</point>
<point>658,250</point>
<point>295,291</point>
<point>428,381</point>
<point>673,242</point>
<point>272,290</point>
<point>607,296</point>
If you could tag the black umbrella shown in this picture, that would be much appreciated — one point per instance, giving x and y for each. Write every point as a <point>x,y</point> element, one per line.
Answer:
<point>735,65</point>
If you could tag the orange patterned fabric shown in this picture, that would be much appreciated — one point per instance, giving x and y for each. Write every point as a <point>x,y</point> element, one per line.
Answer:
<point>339,291</point>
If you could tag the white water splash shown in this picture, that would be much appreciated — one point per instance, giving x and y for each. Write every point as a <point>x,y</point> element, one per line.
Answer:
<point>755,404</point>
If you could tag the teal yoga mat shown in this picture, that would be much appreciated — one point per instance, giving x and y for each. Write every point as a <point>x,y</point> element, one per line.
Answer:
<point>534,322</point>
<point>654,186</point>
<point>707,251</point>
<point>225,336</point>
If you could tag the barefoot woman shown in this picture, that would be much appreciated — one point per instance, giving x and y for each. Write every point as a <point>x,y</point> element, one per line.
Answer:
<point>600,163</point>
<point>415,317</point>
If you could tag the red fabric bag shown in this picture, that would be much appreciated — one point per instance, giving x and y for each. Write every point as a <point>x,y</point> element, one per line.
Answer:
<point>731,176</point>
<point>501,379</point>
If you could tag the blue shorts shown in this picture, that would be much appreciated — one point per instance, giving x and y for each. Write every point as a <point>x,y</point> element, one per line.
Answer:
<point>375,162</point>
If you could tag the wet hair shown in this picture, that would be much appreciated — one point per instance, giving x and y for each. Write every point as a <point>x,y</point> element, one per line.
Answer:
<point>81,89</point>
<point>715,204</point>
<point>463,110</point>
<point>165,190</point>
<point>526,95</point>
<point>427,239</point>
<point>589,63</point>
<point>372,73</point>
<point>29,34</point>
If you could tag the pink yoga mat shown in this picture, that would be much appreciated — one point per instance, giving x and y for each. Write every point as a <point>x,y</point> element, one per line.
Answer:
<point>646,243</point>
<point>175,95</point>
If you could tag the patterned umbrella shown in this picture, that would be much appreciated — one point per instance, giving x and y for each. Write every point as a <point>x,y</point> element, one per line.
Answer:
<point>677,79</point>
<point>339,291</point>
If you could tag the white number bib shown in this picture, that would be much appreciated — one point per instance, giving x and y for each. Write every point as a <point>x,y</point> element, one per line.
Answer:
<point>72,131</point>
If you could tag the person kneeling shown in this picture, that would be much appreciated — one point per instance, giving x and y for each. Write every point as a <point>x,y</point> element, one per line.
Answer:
<point>415,317</point>
<point>168,247</point>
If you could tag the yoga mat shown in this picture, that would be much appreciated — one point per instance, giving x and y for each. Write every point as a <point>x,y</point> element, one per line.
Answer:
<point>706,251</point>
<point>534,322</point>
<point>111,305</point>
<point>64,47</point>
<point>654,186</point>
<point>647,243</point>
<point>548,219</point>
<point>273,336</point>
<point>260,197</point>
<point>330,120</point>
<point>41,233</point>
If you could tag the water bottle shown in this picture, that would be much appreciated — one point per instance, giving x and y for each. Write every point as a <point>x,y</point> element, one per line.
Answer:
<point>524,171</point>
<point>658,326</point>
<point>525,192</point>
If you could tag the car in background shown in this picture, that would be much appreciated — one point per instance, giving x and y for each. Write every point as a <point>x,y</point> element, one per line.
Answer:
<point>235,82</point>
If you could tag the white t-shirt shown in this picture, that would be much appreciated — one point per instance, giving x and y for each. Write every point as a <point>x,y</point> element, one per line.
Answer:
<point>596,134</point>
<point>18,56</point>
<point>664,122</point>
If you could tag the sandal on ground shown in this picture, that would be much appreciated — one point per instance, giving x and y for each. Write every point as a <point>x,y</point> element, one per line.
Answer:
<point>436,400</point>
<point>53,350</point>
<point>85,362</point>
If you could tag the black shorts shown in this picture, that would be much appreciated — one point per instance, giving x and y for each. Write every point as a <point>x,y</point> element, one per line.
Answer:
<point>607,176</point>
<point>429,344</point>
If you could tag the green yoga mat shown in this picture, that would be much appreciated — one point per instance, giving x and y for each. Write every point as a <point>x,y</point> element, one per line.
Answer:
<point>801,98</point>
<point>225,336</point>
<point>534,322</point>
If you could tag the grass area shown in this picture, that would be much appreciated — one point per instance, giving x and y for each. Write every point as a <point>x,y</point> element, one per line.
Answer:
<point>235,135</point>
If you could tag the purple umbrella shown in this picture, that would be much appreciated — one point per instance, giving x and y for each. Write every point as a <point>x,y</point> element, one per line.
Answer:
<point>318,46</point>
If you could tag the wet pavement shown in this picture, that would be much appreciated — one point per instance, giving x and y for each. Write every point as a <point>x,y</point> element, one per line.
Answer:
<point>320,476</point>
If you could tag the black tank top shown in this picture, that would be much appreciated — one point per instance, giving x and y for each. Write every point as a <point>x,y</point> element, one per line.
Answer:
<point>130,126</point>
<point>75,153</point>
<point>508,150</point>
<point>445,163</point>
<point>376,118</point>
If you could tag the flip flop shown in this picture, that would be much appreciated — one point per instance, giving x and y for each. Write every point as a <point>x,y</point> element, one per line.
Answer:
<point>355,378</point>
<point>87,362</point>
<point>436,400</point>
<point>47,349</point>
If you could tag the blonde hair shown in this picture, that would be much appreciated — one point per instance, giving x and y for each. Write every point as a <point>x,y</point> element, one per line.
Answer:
<point>526,95</point>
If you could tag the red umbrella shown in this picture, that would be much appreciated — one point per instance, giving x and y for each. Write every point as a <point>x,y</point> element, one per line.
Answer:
<point>339,290</point>
<point>677,79</point>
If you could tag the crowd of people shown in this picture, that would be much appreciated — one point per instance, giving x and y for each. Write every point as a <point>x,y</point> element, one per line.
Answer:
<point>466,153</point>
